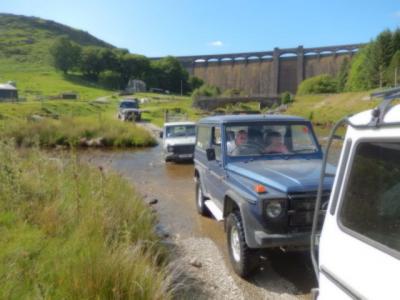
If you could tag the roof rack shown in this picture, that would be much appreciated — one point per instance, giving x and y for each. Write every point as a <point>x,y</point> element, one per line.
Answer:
<point>388,95</point>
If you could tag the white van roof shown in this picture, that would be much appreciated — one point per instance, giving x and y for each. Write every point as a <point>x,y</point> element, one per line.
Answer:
<point>365,117</point>
<point>179,123</point>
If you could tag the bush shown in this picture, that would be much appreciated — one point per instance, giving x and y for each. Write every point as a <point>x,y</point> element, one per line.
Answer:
<point>286,98</point>
<point>195,82</point>
<point>233,93</point>
<point>206,91</point>
<point>318,85</point>
<point>69,231</point>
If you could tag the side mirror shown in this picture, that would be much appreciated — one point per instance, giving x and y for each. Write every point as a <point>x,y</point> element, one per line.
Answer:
<point>161,134</point>
<point>210,154</point>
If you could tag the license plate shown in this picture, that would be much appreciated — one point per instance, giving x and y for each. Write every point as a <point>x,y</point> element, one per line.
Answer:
<point>185,155</point>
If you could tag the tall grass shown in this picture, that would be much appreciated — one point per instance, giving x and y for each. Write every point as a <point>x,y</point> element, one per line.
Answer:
<point>76,131</point>
<point>68,231</point>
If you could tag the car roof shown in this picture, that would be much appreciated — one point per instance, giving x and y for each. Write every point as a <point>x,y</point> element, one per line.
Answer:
<point>250,118</point>
<point>179,123</point>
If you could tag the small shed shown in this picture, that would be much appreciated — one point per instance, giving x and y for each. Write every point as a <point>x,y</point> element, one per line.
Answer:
<point>8,92</point>
<point>69,95</point>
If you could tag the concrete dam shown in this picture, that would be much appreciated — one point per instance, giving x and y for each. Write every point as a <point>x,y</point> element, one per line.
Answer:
<point>268,73</point>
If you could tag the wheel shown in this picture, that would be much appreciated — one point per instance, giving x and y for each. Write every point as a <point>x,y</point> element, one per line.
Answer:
<point>243,259</point>
<point>200,199</point>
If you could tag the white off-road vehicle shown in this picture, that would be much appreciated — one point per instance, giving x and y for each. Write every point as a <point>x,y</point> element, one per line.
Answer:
<point>359,246</point>
<point>179,139</point>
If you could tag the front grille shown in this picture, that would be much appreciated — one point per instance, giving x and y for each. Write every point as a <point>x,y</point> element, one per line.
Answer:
<point>301,209</point>
<point>183,149</point>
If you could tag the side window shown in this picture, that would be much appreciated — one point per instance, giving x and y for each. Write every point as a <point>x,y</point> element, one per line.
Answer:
<point>203,137</point>
<point>371,204</point>
<point>216,142</point>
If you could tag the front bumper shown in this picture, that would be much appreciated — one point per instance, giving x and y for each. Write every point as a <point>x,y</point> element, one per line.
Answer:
<point>265,240</point>
<point>179,157</point>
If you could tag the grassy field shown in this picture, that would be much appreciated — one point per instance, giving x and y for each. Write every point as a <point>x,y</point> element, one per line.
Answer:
<point>69,231</point>
<point>36,81</point>
<point>69,123</point>
<point>323,110</point>
<point>329,108</point>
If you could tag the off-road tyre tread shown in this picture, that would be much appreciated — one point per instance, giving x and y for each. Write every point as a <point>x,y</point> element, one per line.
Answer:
<point>249,258</point>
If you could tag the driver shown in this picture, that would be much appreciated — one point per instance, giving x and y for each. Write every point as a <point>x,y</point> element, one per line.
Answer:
<point>240,139</point>
<point>276,144</point>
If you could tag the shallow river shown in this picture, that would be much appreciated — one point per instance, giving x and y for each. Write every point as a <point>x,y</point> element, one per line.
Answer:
<point>172,184</point>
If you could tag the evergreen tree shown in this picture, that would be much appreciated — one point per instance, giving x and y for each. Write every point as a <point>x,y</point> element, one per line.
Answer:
<point>396,40</point>
<point>343,74</point>
<point>379,58</point>
<point>393,72</point>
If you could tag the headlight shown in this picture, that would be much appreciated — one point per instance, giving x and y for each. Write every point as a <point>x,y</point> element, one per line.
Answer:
<point>274,208</point>
<point>170,148</point>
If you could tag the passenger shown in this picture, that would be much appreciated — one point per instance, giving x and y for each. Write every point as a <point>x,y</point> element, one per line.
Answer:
<point>240,139</point>
<point>276,144</point>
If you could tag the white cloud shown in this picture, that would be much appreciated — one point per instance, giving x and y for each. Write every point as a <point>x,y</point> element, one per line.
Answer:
<point>216,44</point>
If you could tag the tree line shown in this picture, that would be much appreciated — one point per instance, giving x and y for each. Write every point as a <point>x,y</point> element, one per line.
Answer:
<point>376,65</point>
<point>114,67</point>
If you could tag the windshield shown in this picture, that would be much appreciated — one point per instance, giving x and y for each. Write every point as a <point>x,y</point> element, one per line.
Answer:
<point>180,131</point>
<point>269,139</point>
<point>128,104</point>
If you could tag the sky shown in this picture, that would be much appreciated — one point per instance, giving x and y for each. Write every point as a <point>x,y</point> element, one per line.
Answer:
<point>190,27</point>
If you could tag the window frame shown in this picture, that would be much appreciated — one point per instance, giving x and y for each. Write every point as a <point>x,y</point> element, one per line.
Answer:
<point>367,240</point>
<point>213,145</point>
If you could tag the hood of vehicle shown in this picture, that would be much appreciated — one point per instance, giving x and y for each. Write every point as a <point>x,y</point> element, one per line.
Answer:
<point>126,110</point>
<point>186,140</point>
<point>292,175</point>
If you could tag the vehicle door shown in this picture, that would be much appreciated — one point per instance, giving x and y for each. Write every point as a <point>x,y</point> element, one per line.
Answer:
<point>360,241</point>
<point>215,168</point>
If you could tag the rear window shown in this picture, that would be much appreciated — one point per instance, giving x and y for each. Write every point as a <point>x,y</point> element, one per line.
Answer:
<point>371,205</point>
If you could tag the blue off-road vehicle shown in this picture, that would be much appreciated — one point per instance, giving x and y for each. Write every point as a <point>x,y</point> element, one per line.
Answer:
<point>260,174</point>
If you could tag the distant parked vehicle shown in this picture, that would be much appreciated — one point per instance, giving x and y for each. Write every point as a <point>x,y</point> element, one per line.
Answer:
<point>178,140</point>
<point>158,91</point>
<point>129,110</point>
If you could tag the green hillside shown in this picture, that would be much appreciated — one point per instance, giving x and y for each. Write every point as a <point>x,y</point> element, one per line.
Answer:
<point>27,39</point>
<point>25,57</point>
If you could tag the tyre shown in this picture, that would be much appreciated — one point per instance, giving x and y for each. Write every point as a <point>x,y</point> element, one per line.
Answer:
<point>243,259</point>
<point>200,199</point>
